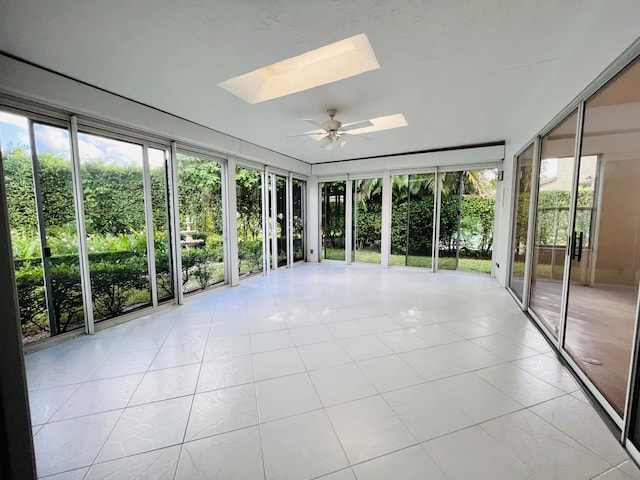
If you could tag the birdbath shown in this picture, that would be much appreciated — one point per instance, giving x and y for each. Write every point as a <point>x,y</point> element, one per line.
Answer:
<point>189,241</point>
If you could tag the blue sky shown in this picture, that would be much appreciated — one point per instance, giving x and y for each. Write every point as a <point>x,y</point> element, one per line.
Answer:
<point>14,131</point>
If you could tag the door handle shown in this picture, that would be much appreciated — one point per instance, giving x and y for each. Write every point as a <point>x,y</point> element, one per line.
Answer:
<point>576,245</point>
<point>580,238</point>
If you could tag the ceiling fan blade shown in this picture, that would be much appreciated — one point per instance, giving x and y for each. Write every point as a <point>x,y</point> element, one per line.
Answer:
<point>308,134</point>
<point>355,125</point>
<point>314,122</point>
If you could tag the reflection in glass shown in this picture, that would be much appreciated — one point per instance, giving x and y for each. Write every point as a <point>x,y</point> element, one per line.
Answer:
<point>552,221</point>
<point>333,220</point>
<point>298,190</point>
<point>412,220</point>
<point>249,212</point>
<point>605,266</point>
<point>281,220</point>
<point>467,211</point>
<point>201,238</point>
<point>367,220</point>
<point>522,197</point>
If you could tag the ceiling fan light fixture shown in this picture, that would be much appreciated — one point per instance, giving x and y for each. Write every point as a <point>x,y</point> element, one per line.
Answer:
<point>327,143</point>
<point>342,141</point>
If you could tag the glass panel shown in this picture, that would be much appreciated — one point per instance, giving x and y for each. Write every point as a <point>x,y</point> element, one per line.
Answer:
<point>200,205</point>
<point>298,190</point>
<point>367,220</point>
<point>605,266</point>
<point>521,227</point>
<point>552,221</point>
<point>467,212</point>
<point>112,183</point>
<point>249,207</point>
<point>412,220</point>
<point>281,219</point>
<point>54,163</point>
<point>158,169</point>
<point>333,220</point>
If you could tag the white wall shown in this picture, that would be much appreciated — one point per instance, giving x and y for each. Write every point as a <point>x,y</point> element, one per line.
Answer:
<point>29,82</point>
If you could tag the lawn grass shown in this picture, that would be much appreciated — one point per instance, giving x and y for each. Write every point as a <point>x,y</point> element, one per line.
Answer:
<point>480,265</point>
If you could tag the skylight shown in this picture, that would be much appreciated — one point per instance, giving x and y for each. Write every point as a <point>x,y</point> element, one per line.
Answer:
<point>323,65</point>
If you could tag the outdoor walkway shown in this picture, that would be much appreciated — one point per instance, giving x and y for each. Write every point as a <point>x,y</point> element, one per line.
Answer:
<point>322,370</point>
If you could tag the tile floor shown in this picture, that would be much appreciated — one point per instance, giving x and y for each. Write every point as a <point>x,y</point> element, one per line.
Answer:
<point>320,371</point>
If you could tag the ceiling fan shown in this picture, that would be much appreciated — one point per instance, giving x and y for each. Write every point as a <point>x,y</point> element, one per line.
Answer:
<point>333,131</point>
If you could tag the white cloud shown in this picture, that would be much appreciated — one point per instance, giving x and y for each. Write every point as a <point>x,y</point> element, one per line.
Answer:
<point>53,139</point>
<point>12,119</point>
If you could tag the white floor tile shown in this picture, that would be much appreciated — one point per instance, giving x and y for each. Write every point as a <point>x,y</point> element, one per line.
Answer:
<point>437,334</point>
<point>99,396</point>
<point>408,464</point>
<point>432,364</point>
<point>322,355</point>
<point>470,355</point>
<point>222,411</point>
<point>543,448</point>
<point>156,465</point>
<point>311,334</point>
<point>550,370</point>
<point>349,328</point>
<point>168,383</point>
<point>285,396</point>
<point>301,447</point>
<point>365,347</point>
<point>268,341</point>
<point>402,340</point>
<point>472,453</point>
<point>225,372</point>
<point>581,422</point>
<point>277,364</point>
<point>73,443</point>
<point>222,457</point>
<point>340,384</point>
<point>227,347</point>
<point>44,404</point>
<point>368,428</point>
<point>389,373</point>
<point>178,355</point>
<point>523,387</point>
<point>503,347</point>
<point>427,412</point>
<point>147,427</point>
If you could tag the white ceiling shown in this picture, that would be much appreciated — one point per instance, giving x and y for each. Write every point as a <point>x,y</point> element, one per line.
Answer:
<point>461,71</point>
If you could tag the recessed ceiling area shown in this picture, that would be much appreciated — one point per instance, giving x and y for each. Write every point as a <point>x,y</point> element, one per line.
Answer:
<point>461,73</point>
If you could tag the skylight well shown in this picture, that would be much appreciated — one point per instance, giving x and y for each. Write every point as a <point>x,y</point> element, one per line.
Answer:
<point>346,58</point>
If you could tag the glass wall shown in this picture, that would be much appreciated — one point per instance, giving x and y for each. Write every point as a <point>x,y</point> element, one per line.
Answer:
<point>114,204</point>
<point>159,181</point>
<point>333,220</point>
<point>281,220</point>
<point>605,252</point>
<point>552,221</point>
<point>201,222</point>
<point>412,219</point>
<point>42,212</point>
<point>299,208</point>
<point>366,220</point>
<point>249,215</point>
<point>522,195</point>
<point>467,212</point>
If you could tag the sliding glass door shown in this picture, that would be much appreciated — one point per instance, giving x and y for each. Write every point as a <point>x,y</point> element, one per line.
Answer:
<point>605,251</point>
<point>250,220</point>
<point>552,222</point>
<point>366,220</point>
<point>38,173</point>
<point>467,212</point>
<point>522,196</point>
<point>412,219</point>
<point>334,199</point>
